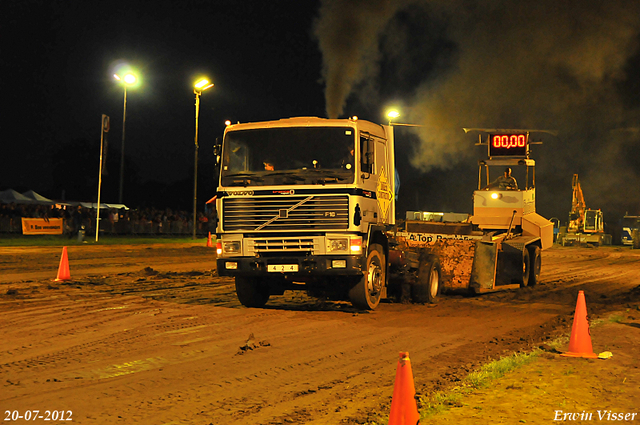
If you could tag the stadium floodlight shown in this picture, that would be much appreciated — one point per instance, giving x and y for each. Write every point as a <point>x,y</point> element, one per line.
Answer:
<point>200,86</point>
<point>128,80</point>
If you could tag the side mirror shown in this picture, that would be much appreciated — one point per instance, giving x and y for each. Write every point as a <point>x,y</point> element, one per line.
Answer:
<point>217,150</point>
<point>366,154</point>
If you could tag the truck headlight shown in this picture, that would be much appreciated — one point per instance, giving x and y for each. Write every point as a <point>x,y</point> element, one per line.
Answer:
<point>341,244</point>
<point>231,247</point>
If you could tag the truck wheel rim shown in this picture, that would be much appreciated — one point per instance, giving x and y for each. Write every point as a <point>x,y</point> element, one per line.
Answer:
<point>433,283</point>
<point>374,279</point>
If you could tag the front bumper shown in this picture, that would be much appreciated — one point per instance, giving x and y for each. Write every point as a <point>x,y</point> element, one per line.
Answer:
<point>308,266</point>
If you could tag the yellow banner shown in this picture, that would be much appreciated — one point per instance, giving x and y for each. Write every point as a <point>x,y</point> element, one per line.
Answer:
<point>40,226</point>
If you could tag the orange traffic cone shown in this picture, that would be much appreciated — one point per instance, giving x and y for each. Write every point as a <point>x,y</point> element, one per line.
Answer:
<point>63,270</point>
<point>580,342</point>
<point>209,243</point>
<point>404,409</point>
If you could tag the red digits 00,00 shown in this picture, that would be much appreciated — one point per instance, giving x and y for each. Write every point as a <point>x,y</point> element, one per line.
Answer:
<point>509,141</point>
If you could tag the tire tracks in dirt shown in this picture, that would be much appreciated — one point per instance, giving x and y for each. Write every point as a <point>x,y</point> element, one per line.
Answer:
<point>154,345</point>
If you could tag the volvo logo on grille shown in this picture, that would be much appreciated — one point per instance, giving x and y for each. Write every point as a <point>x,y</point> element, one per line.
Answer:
<point>239,192</point>
<point>283,213</point>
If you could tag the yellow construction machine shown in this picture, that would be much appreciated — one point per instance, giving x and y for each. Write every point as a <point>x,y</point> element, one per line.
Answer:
<point>497,248</point>
<point>585,226</point>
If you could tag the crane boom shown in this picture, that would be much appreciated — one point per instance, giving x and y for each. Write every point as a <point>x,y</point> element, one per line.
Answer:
<point>578,206</point>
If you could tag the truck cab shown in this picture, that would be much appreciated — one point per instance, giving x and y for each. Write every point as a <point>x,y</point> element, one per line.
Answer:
<point>303,204</point>
<point>630,230</point>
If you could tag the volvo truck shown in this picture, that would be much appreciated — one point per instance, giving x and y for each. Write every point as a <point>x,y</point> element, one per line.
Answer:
<point>304,203</point>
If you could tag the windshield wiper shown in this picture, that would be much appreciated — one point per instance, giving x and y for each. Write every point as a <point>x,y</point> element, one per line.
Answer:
<point>327,175</point>
<point>251,176</point>
<point>290,174</point>
<point>241,175</point>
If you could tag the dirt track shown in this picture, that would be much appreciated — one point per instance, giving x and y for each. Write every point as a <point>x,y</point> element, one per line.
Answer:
<point>150,334</point>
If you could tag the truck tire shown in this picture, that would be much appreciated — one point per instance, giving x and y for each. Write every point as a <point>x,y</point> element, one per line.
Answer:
<point>250,292</point>
<point>365,295</point>
<point>429,282</point>
<point>535,262</point>
<point>525,269</point>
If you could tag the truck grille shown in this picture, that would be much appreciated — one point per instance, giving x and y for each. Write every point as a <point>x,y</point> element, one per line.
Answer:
<point>284,245</point>
<point>286,213</point>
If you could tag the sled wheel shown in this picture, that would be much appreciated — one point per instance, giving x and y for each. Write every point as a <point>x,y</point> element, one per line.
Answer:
<point>429,282</point>
<point>526,266</point>
<point>535,264</point>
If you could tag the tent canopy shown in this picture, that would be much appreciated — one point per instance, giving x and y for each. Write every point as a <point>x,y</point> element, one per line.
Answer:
<point>102,205</point>
<point>31,194</point>
<point>32,197</point>
<point>11,196</point>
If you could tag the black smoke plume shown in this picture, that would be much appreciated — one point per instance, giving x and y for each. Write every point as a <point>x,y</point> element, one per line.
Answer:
<point>569,66</point>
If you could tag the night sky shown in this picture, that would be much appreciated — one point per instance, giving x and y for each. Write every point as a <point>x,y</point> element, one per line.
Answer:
<point>570,66</point>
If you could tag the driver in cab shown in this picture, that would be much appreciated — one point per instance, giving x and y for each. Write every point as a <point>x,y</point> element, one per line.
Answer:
<point>505,182</point>
<point>268,165</point>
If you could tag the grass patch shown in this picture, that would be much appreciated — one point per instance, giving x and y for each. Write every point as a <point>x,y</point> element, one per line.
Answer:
<point>49,240</point>
<point>442,401</point>
<point>497,369</point>
<point>559,342</point>
<point>481,378</point>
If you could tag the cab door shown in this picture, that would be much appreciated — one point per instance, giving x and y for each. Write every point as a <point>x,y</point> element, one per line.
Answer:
<point>384,183</point>
<point>375,178</point>
<point>367,178</point>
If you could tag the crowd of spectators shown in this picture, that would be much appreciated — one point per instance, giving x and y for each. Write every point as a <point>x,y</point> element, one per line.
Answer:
<point>145,221</point>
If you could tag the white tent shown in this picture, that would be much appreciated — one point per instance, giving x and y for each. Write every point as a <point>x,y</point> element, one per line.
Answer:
<point>32,197</point>
<point>10,196</point>
<point>102,205</point>
<point>31,194</point>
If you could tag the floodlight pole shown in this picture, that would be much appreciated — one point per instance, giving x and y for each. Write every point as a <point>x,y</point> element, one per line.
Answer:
<point>124,119</point>
<point>127,79</point>
<point>105,129</point>
<point>199,87</point>
<point>195,172</point>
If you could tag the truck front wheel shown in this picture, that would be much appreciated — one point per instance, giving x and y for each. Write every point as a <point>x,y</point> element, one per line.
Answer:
<point>250,292</point>
<point>366,293</point>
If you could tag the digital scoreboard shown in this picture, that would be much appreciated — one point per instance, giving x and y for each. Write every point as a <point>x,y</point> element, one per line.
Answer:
<point>508,144</point>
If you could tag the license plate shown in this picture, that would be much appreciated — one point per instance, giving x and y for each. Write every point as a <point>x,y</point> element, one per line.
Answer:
<point>279,268</point>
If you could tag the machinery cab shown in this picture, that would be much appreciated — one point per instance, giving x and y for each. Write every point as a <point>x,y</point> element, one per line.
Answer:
<point>497,205</point>
<point>505,198</point>
<point>593,221</point>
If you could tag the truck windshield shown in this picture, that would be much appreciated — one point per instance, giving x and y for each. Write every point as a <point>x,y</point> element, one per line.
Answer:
<point>288,155</point>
